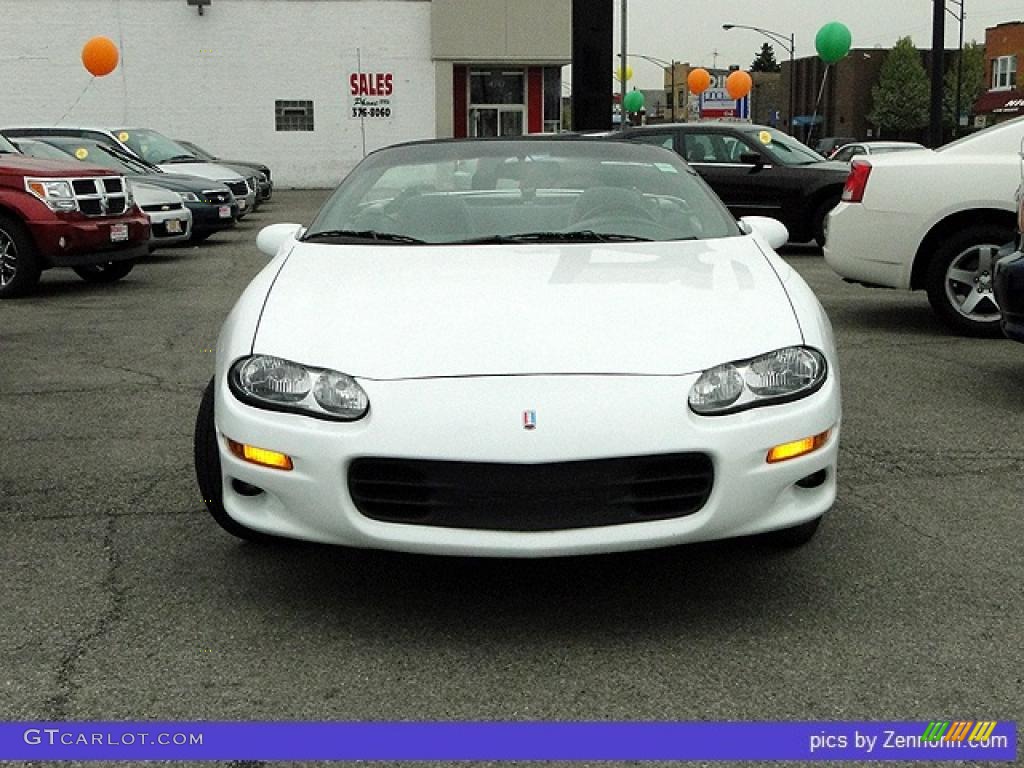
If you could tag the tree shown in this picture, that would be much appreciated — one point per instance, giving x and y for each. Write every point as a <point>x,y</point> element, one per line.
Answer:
<point>901,98</point>
<point>765,60</point>
<point>971,87</point>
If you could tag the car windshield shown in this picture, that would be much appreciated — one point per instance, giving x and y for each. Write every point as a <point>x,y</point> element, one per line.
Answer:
<point>6,146</point>
<point>94,153</point>
<point>153,147</point>
<point>501,191</point>
<point>199,152</point>
<point>36,148</point>
<point>785,149</point>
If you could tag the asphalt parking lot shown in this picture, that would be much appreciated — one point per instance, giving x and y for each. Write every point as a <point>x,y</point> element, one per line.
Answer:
<point>124,601</point>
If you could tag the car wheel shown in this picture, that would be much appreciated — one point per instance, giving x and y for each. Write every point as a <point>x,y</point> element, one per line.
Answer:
<point>19,263</point>
<point>198,237</point>
<point>208,474</point>
<point>959,279</point>
<point>791,538</point>
<point>819,220</point>
<point>110,272</point>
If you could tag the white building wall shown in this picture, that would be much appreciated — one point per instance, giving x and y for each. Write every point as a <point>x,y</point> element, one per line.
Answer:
<point>213,79</point>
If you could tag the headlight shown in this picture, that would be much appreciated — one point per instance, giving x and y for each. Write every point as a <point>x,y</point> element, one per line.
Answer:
<point>188,197</point>
<point>281,385</point>
<point>56,194</point>
<point>777,377</point>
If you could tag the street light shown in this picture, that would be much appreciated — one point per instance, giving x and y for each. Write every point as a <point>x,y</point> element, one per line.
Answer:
<point>790,46</point>
<point>663,64</point>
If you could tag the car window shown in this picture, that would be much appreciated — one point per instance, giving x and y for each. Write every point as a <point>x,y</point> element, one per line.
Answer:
<point>784,149</point>
<point>550,191</point>
<point>697,148</point>
<point>846,153</point>
<point>658,139</point>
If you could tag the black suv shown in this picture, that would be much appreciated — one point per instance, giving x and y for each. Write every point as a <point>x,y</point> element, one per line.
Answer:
<point>756,171</point>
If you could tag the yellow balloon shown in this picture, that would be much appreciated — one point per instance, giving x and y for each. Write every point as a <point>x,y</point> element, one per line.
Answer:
<point>628,73</point>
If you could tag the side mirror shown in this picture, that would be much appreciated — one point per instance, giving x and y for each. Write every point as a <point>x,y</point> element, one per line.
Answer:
<point>773,231</point>
<point>752,158</point>
<point>271,238</point>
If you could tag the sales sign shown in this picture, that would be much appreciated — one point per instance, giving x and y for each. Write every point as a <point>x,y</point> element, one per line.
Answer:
<point>372,94</point>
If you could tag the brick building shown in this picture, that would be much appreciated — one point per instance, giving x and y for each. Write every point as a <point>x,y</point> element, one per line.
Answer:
<point>1004,99</point>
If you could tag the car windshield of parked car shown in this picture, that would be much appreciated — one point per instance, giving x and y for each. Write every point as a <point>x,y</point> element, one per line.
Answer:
<point>199,152</point>
<point>522,191</point>
<point>6,146</point>
<point>785,149</point>
<point>153,147</point>
<point>92,152</point>
<point>40,149</point>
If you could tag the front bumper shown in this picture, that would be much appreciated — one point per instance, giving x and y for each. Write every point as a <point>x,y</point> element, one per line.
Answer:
<point>206,217</point>
<point>168,227</point>
<point>75,240</point>
<point>1008,286</point>
<point>871,247</point>
<point>578,417</point>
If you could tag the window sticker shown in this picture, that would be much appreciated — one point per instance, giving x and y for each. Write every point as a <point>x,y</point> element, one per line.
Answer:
<point>81,153</point>
<point>765,137</point>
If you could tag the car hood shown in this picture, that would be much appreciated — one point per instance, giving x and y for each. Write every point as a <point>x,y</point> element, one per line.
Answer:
<point>394,312</point>
<point>204,170</point>
<point>148,194</point>
<point>178,182</point>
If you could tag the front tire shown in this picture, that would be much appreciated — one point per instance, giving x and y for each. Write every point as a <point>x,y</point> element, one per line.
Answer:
<point>959,279</point>
<point>19,262</point>
<point>208,472</point>
<point>110,272</point>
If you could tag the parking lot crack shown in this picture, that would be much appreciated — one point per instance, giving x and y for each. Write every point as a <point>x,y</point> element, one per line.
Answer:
<point>58,707</point>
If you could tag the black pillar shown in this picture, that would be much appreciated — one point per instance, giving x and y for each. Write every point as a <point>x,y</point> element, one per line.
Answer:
<point>938,49</point>
<point>592,64</point>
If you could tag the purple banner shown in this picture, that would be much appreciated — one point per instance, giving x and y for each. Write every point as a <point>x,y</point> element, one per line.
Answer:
<point>826,740</point>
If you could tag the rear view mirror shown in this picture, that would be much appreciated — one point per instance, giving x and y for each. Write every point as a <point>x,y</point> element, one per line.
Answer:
<point>271,238</point>
<point>773,231</point>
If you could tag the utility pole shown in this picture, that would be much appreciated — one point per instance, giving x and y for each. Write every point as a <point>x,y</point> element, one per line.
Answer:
<point>938,51</point>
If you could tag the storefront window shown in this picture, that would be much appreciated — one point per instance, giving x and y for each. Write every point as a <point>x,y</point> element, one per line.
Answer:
<point>552,99</point>
<point>497,102</point>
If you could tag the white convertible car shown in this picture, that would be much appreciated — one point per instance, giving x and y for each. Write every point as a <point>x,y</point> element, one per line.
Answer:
<point>522,348</point>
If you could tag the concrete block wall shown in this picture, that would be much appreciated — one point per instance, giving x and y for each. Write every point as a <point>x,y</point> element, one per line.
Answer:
<point>213,79</point>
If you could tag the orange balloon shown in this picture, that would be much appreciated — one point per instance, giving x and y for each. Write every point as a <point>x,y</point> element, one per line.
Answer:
<point>698,80</point>
<point>99,56</point>
<point>738,84</point>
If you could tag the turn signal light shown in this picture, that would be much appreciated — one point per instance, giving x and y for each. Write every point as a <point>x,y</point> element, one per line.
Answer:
<point>797,448</point>
<point>260,456</point>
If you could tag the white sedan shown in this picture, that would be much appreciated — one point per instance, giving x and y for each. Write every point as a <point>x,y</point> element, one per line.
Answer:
<point>933,221</point>
<point>522,348</point>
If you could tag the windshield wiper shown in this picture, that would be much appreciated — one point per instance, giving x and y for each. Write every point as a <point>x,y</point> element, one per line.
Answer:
<point>182,159</point>
<point>365,234</point>
<point>578,236</point>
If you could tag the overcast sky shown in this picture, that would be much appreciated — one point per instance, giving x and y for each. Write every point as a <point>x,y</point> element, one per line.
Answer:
<point>690,31</point>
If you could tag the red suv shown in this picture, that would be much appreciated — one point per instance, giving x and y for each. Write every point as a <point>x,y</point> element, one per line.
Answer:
<point>56,214</point>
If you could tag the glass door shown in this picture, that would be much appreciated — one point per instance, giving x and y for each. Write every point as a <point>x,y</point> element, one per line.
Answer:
<point>497,102</point>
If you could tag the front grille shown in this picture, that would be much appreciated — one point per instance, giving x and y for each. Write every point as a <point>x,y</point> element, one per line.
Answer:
<point>163,207</point>
<point>531,497</point>
<point>216,197</point>
<point>103,196</point>
<point>238,188</point>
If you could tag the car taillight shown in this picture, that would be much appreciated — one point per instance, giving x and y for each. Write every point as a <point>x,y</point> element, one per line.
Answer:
<point>856,182</point>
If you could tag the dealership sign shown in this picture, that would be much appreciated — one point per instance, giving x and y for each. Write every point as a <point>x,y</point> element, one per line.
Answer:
<point>716,103</point>
<point>371,94</point>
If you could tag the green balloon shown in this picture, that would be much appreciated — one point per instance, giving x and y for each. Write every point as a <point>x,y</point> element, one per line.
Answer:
<point>833,42</point>
<point>633,101</point>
